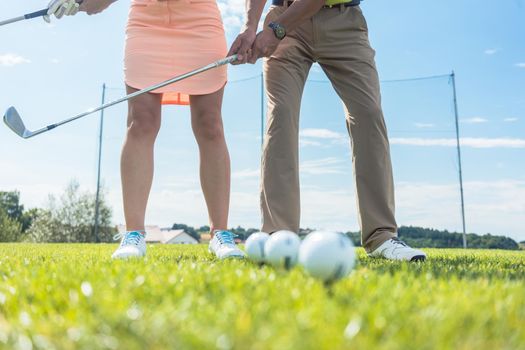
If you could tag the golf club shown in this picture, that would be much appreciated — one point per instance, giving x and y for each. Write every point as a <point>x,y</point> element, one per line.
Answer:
<point>24,17</point>
<point>13,120</point>
<point>28,16</point>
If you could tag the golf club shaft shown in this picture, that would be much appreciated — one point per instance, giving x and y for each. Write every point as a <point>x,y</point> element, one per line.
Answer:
<point>27,16</point>
<point>215,64</point>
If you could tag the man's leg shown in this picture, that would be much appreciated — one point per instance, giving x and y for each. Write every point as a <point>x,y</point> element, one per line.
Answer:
<point>285,75</point>
<point>348,60</point>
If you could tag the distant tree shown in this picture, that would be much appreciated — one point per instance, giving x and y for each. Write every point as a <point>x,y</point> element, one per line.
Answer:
<point>243,233</point>
<point>28,217</point>
<point>10,229</point>
<point>355,237</point>
<point>430,238</point>
<point>71,218</point>
<point>204,229</point>
<point>14,220</point>
<point>188,229</point>
<point>10,204</point>
<point>303,232</point>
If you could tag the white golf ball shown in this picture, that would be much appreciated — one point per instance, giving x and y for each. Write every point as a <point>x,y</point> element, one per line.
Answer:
<point>282,249</point>
<point>328,256</point>
<point>254,246</point>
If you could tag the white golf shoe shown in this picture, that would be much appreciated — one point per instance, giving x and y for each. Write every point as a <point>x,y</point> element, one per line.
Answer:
<point>132,245</point>
<point>223,246</point>
<point>394,249</point>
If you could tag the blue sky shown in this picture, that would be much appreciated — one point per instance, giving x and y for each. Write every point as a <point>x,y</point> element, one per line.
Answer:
<point>51,72</point>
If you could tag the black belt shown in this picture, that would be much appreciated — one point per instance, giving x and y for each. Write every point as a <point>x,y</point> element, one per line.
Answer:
<point>344,4</point>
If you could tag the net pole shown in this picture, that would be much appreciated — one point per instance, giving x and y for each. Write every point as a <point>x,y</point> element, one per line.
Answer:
<point>453,77</point>
<point>97,196</point>
<point>262,110</point>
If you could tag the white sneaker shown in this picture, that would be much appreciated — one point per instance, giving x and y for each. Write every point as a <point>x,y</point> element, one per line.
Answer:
<point>223,246</point>
<point>132,245</point>
<point>394,249</point>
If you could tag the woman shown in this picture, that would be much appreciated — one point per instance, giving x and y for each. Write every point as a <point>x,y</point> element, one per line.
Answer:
<point>166,38</point>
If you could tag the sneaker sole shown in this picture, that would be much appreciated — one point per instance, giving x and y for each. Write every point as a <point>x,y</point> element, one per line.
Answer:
<point>418,258</point>
<point>233,257</point>
<point>127,256</point>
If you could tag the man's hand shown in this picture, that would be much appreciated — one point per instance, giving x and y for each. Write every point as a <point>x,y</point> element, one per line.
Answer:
<point>264,46</point>
<point>92,7</point>
<point>242,46</point>
<point>61,8</point>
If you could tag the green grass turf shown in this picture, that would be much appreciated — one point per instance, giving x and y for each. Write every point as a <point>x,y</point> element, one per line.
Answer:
<point>75,297</point>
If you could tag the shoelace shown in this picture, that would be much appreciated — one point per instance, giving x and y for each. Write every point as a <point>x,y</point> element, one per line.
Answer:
<point>130,238</point>
<point>396,240</point>
<point>398,244</point>
<point>225,237</point>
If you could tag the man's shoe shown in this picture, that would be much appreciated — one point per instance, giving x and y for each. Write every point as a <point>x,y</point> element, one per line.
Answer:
<point>132,245</point>
<point>394,249</point>
<point>223,246</point>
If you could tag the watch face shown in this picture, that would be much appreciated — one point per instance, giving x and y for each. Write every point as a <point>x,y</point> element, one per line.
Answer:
<point>280,32</point>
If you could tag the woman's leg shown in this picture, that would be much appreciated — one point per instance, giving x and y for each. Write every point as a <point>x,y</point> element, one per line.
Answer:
<point>206,121</point>
<point>136,164</point>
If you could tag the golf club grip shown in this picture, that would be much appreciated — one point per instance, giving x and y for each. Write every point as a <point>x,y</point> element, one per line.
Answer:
<point>36,14</point>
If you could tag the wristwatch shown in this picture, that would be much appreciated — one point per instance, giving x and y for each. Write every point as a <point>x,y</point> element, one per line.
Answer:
<point>278,30</point>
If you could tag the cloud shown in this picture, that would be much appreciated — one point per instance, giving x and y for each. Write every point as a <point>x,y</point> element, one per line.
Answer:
<point>464,141</point>
<point>321,134</point>
<point>490,206</point>
<point>54,60</point>
<point>510,120</point>
<point>306,143</point>
<point>246,173</point>
<point>10,59</point>
<point>318,138</point>
<point>424,125</point>
<point>520,65</point>
<point>491,51</point>
<point>232,13</point>
<point>330,165</point>
<point>474,120</point>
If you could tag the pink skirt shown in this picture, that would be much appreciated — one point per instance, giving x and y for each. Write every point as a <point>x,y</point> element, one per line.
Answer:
<point>166,38</point>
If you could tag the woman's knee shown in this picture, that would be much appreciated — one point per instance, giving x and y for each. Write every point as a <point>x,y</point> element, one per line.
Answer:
<point>144,125</point>
<point>207,124</point>
<point>143,120</point>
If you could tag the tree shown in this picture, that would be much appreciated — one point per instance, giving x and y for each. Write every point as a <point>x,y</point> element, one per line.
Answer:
<point>10,230</point>
<point>204,229</point>
<point>430,238</point>
<point>14,221</point>
<point>188,229</point>
<point>71,218</point>
<point>10,204</point>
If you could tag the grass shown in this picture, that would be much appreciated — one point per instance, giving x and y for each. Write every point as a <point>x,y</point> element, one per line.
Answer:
<point>75,297</point>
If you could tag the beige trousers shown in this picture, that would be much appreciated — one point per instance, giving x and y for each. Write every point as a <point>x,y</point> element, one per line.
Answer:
<point>337,39</point>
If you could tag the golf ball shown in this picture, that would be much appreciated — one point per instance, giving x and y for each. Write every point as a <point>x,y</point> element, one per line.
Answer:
<point>254,246</point>
<point>328,256</point>
<point>282,249</point>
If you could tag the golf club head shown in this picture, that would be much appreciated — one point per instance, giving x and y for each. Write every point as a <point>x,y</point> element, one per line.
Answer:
<point>14,122</point>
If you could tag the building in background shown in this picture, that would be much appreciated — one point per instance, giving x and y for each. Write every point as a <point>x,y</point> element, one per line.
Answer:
<point>155,234</point>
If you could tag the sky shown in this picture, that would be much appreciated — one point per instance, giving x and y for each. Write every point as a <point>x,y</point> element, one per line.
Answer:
<point>53,71</point>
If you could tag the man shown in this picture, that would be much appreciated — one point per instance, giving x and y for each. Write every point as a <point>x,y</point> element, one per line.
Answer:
<point>334,34</point>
